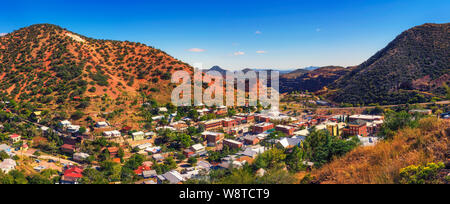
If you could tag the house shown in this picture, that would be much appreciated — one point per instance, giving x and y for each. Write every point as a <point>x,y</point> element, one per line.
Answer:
<point>213,138</point>
<point>144,146</point>
<point>356,128</point>
<point>15,138</point>
<point>188,153</point>
<point>149,174</point>
<point>113,133</point>
<point>263,127</point>
<point>158,157</point>
<point>252,152</point>
<point>173,177</point>
<point>233,144</point>
<point>158,118</point>
<point>7,165</point>
<point>73,128</point>
<point>304,133</point>
<point>204,165</point>
<point>68,148</point>
<point>113,151</point>
<point>5,148</point>
<point>366,118</point>
<point>137,136</point>
<point>166,128</point>
<point>142,169</point>
<point>80,156</point>
<point>229,123</point>
<point>288,143</point>
<point>251,140</point>
<point>24,147</point>
<point>72,175</point>
<point>374,127</point>
<point>287,130</point>
<point>102,124</point>
<point>179,126</point>
<point>197,148</point>
<point>65,123</point>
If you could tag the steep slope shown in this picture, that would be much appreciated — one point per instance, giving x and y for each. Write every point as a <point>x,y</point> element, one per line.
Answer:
<point>381,164</point>
<point>315,80</point>
<point>46,63</point>
<point>412,68</point>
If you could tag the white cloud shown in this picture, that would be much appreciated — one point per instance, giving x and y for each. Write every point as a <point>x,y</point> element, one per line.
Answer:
<point>3,34</point>
<point>196,50</point>
<point>258,32</point>
<point>261,52</point>
<point>239,53</point>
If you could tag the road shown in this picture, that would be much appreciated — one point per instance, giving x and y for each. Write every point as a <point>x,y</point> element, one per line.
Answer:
<point>364,107</point>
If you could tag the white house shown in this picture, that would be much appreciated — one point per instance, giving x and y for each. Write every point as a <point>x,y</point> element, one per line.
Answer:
<point>73,128</point>
<point>113,133</point>
<point>197,148</point>
<point>174,177</point>
<point>65,123</point>
<point>80,156</point>
<point>102,124</point>
<point>7,165</point>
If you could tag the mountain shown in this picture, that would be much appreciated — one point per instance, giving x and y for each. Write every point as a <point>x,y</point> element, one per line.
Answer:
<point>311,68</point>
<point>315,80</point>
<point>47,64</point>
<point>411,69</point>
<point>217,69</point>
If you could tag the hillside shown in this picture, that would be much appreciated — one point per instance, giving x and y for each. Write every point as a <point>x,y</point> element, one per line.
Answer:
<point>48,65</point>
<point>382,163</point>
<point>46,60</point>
<point>412,68</point>
<point>315,80</point>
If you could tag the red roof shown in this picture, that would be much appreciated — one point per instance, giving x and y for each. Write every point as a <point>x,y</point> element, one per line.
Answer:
<point>142,169</point>
<point>113,149</point>
<point>14,136</point>
<point>74,172</point>
<point>67,146</point>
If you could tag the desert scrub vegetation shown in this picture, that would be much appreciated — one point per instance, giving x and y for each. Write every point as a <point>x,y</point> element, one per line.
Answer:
<point>422,174</point>
<point>382,164</point>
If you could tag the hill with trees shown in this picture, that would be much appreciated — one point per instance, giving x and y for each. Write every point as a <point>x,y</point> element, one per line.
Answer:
<point>314,80</point>
<point>411,69</point>
<point>48,64</point>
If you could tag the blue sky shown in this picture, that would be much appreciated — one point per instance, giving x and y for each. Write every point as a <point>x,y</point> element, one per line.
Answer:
<point>236,34</point>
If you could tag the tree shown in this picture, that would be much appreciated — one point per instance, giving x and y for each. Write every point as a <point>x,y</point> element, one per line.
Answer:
<point>93,176</point>
<point>192,161</point>
<point>3,155</point>
<point>273,158</point>
<point>294,160</point>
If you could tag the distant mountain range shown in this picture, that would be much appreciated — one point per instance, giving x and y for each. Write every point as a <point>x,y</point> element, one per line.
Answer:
<point>223,71</point>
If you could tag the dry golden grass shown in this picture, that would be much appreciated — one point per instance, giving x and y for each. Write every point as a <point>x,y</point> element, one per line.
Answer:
<point>381,164</point>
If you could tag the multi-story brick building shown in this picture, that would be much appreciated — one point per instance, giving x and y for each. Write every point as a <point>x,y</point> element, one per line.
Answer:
<point>356,128</point>
<point>233,144</point>
<point>212,125</point>
<point>213,138</point>
<point>287,130</point>
<point>263,127</point>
